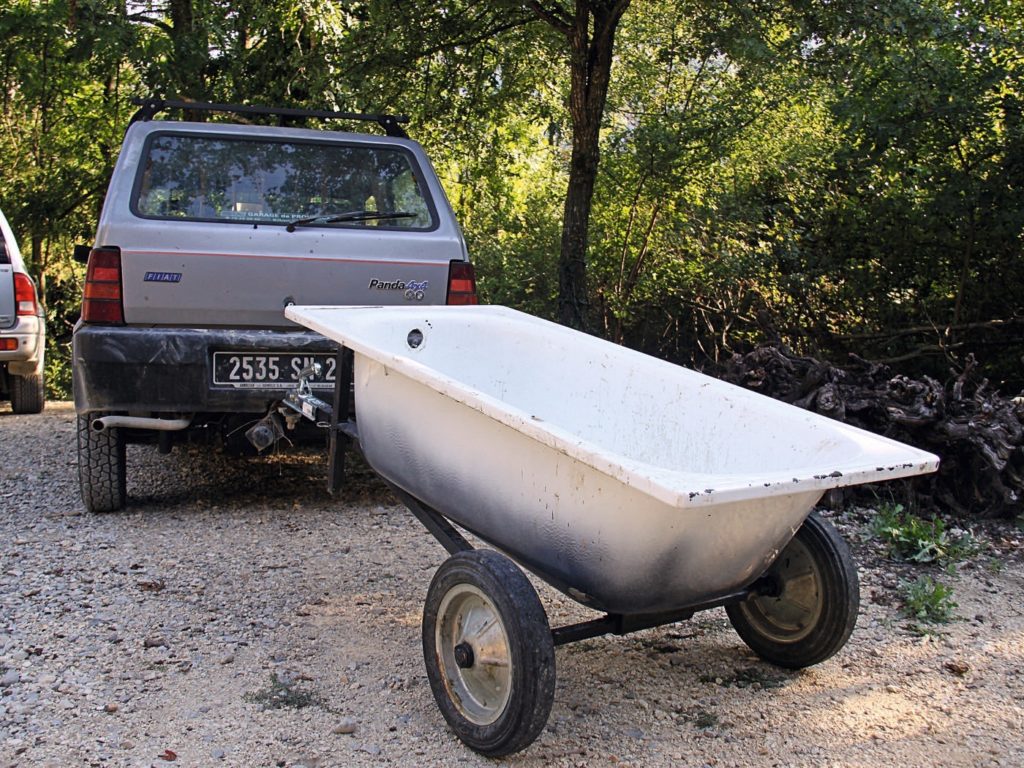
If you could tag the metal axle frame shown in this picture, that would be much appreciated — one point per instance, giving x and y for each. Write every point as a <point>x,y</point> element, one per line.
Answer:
<point>344,435</point>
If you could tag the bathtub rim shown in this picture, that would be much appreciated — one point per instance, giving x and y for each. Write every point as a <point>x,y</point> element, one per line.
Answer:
<point>676,488</point>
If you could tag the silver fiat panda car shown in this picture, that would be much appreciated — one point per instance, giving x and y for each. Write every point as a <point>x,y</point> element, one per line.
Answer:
<point>208,231</point>
<point>22,330</point>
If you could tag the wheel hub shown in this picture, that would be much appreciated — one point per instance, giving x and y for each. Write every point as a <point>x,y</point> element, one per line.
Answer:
<point>791,605</point>
<point>464,655</point>
<point>473,654</point>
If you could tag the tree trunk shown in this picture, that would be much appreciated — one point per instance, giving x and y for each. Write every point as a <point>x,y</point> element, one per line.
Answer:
<point>39,266</point>
<point>591,36</point>
<point>191,52</point>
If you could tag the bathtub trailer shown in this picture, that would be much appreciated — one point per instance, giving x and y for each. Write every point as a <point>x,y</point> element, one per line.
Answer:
<point>641,489</point>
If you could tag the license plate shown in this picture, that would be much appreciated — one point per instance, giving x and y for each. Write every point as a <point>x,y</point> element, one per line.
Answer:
<point>259,370</point>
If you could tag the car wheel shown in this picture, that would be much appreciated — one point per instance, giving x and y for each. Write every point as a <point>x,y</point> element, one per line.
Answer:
<point>28,393</point>
<point>102,467</point>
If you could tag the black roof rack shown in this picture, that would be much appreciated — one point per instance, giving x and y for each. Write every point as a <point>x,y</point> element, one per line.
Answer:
<point>150,107</point>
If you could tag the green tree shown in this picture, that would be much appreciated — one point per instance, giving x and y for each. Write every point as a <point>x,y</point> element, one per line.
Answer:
<point>931,191</point>
<point>689,178</point>
<point>62,78</point>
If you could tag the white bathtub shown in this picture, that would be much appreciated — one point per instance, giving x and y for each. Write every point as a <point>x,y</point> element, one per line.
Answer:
<point>632,484</point>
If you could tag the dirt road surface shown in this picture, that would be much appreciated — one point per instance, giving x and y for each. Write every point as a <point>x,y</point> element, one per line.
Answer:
<point>236,615</point>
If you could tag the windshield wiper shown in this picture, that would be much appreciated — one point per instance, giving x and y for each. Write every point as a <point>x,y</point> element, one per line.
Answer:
<point>338,218</point>
<point>321,218</point>
<point>370,216</point>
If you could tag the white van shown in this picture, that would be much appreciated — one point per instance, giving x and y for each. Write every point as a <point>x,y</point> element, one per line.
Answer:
<point>22,330</point>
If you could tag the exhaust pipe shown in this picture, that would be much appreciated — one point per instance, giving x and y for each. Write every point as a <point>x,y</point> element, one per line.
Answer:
<point>140,422</point>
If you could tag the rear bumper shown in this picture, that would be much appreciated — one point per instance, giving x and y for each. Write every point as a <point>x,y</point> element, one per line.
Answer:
<point>28,357</point>
<point>170,370</point>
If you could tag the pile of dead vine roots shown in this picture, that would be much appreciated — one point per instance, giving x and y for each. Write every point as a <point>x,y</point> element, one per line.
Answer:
<point>977,433</point>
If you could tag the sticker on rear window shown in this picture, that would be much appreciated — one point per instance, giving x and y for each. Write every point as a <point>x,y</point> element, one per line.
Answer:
<point>162,277</point>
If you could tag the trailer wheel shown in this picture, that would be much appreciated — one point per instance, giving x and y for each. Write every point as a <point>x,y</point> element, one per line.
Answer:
<point>811,609</point>
<point>102,467</point>
<point>488,651</point>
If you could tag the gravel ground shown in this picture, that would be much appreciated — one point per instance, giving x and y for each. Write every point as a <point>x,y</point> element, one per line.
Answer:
<point>236,615</point>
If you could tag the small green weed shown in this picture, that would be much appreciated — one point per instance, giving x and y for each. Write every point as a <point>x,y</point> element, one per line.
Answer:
<point>929,601</point>
<point>751,677</point>
<point>916,540</point>
<point>995,565</point>
<point>282,694</point>
<point>701,718</point>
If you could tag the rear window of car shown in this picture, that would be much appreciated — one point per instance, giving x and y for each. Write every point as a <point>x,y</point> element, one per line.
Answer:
<point>231,179</point>
<point>4,256</point>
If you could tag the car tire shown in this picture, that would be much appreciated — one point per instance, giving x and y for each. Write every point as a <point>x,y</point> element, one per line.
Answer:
<point>102,467</point>
<point>28,393</point>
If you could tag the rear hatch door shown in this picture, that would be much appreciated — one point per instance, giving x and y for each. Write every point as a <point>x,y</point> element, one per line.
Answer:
<point>229,228</point>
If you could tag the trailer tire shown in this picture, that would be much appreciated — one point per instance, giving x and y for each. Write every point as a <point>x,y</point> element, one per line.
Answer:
<point>489,653</point>
<point>102,467</point>
<point>812,608</point>
<point>28,393</point>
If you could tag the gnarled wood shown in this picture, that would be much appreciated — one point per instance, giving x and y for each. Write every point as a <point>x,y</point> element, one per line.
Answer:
<point>978,433</point>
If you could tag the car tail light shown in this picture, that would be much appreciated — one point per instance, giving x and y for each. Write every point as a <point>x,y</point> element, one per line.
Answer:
<point>462,283</point>
<point>102,300</point>
<point>25,295</point>
<point>8,345</point>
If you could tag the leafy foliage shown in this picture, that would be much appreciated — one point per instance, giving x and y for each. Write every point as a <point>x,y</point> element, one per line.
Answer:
<point>842,176</point>
<point>916,540</point>
<point>929,601</point>
<point>927,98</point>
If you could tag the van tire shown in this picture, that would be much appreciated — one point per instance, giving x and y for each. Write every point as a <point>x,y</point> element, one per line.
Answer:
<point>28,393</point>
<point>102,467</point>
